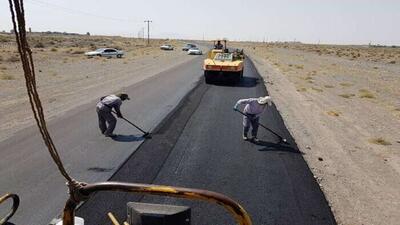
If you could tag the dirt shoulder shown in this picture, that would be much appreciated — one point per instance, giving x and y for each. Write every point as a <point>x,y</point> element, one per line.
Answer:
<point>67,79</point>
<point>344,112</point>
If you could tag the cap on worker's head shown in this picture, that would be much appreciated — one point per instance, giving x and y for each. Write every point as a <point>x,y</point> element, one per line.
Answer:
<point>123,96</point>
<point>264,100</point>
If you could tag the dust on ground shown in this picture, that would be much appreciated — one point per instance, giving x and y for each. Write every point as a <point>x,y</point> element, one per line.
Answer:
<point>67,79</point>
<point>342,105</point>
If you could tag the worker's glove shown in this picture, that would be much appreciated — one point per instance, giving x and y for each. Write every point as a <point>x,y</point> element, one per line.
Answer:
<point>119,115</point>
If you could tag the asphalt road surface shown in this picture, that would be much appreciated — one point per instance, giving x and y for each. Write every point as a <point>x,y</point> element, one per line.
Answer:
<point>27,169</point>
<point>199,145</point>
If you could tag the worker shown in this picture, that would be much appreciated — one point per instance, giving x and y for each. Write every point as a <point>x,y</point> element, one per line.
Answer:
<point>218,45</point>
<point>253,108</point>
<point>104,110</point>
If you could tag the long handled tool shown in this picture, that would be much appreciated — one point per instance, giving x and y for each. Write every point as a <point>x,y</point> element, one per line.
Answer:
<point>145,133</point>
<point>281,139</point>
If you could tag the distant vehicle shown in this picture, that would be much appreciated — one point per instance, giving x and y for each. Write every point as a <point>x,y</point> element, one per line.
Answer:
<point>167,47</point>
<point>106,52</point>
<point>195,51</point>
<point>188,46</point>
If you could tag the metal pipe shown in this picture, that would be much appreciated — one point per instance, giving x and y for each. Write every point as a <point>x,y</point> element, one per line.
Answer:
<point>14,207</point>
<point>237,211</point>
<point>113,219</point>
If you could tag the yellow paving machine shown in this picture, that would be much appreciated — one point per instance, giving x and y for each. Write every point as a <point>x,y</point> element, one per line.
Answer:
<point>222,64</point>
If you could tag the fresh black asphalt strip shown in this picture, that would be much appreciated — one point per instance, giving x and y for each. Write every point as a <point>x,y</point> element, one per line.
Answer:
<point>199,145</point>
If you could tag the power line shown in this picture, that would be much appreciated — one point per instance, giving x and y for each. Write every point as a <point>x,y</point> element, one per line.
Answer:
<point>148,30</point>
<point>75,11</point>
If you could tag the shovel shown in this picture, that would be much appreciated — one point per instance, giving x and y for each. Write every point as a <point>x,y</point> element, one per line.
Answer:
<point>281,139</point>
<point>145,133</point>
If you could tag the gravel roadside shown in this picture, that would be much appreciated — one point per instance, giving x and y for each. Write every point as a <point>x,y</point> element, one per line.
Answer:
<point>349,141</point>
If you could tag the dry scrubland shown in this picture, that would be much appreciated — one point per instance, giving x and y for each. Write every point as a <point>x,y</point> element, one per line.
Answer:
<point>66,78</point>
<point>342,105</point>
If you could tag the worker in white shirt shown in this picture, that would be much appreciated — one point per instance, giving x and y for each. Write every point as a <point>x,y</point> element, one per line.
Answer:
<point>253,108</point>
<point>104,112</point>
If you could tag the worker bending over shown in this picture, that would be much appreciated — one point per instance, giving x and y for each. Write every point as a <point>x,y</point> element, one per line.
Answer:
<point>253,108</point>
<point>104,111</point>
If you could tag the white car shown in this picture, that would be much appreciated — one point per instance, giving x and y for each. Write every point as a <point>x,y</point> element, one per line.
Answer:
<point>195,51</point>
<point>106,52</point>
<point>167,47</point>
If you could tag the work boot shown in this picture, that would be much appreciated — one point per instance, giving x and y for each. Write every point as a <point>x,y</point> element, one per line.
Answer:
<point>245,138</point>
<point>255,139</point>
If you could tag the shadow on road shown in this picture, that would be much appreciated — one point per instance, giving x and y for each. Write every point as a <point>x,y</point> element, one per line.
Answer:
<point>100,169</point>
<point>276,147</point>
<point>127,138</point>
<point>8,223</point>
<point>247,82</point>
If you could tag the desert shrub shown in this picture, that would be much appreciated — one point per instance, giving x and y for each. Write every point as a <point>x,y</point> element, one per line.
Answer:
<point>329,86</point>
<point>346,84</point>
<point>333,113</point>
<point>347,95</point>
<point>116,47</point>
<point>13,59</point>
<point>302,89</point>
<point>1,58</point>
<point>366,94</point>
<point>4,38</point>
<point>299,67</point>
<point>39,45</point>
<point>317,89</point>
<point>392,62</point>
<point>6,77</point>
<point>93,46</point>
<point>76,52</point>
<point>313,73</point>
<point>308,78</point>
<point>53,49</point>
<point>379,141</point>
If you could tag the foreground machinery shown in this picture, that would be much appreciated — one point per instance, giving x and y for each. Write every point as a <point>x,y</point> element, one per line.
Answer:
<point>223,65</point>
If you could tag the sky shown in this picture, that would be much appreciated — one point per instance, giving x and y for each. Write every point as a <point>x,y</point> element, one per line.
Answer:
<point>308,21</point>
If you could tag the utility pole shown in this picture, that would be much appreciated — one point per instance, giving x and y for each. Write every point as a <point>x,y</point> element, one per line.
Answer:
<point>148,30</point>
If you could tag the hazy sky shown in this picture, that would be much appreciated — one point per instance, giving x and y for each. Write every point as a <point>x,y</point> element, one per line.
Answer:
<point>327,21</point>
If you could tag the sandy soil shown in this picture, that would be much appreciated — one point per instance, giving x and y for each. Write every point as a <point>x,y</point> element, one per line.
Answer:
<point>67,79</point>
<point>344,112</point>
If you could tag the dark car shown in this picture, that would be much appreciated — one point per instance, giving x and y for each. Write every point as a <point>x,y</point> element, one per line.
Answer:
<point>188,46</point>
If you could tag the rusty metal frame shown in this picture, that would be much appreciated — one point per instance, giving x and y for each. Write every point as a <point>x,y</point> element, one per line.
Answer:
<point>14,207</point>
<point>237,211</point>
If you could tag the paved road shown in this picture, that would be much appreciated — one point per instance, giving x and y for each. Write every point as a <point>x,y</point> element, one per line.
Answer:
<point>200,146</point>
<point>26,167</point>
